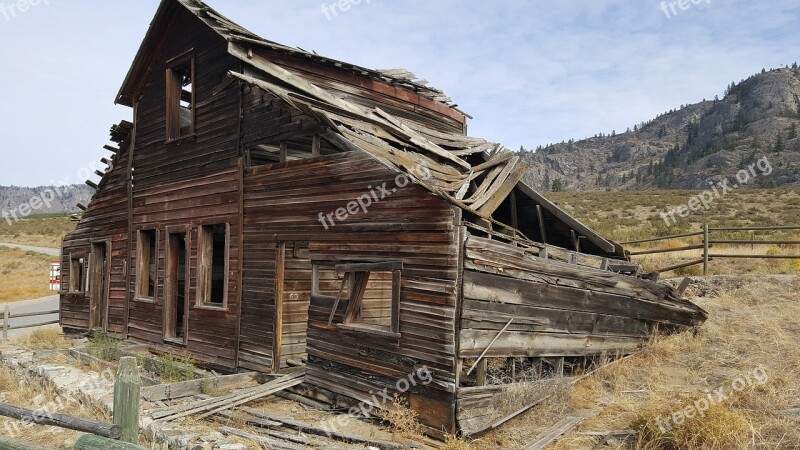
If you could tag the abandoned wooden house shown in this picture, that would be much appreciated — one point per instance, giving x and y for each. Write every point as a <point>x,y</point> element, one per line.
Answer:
<point>269,207</point>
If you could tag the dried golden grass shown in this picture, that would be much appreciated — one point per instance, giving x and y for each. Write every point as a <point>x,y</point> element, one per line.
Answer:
<point>43,339</point>
<point>404,420</point>
<point>25,275</point>
<point>36,231</point>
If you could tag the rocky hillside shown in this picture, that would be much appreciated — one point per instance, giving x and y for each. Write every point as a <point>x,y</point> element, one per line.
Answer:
<point>687,148</point>
<point>24,201</point>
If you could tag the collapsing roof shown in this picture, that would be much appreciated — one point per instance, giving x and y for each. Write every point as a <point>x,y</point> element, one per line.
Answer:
<point>471,173</point>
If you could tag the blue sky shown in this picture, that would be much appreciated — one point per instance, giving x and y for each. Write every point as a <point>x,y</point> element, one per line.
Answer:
<point>530,72</point>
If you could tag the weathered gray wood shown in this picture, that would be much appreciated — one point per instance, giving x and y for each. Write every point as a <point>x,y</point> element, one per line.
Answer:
<point>61,421</point>
<point>229,401</point>
<point>311,429</point>
<point>7,443</point>
<point>93,442</point>
<point>684,284</point>
<point>490,345</point>
<point>269,443</point>
<point>562,427</point>
<point>195,387</point>
<point>127,389</point>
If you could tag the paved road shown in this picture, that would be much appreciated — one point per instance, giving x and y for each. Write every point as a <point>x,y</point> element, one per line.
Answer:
<point>29,306</point>
<point>28,248</point>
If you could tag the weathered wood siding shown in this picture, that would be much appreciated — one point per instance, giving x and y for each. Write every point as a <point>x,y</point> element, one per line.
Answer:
<point>187,183</point>
<point>559,310</point>
<point>106,220</point>
<point>282,204</point>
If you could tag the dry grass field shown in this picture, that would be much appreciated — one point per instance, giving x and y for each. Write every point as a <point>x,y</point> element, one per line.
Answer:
<point>23,275</point>
<point>39,231</point>
<point>630,216</point>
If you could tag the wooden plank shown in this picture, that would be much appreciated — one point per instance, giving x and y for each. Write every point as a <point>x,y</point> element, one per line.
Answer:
<point>559,429</point>
<point>311,429</point>
<point>490,345</point>
<point>189,388</point>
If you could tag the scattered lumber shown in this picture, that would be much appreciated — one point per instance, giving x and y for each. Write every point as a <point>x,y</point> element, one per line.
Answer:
<point>189,388</point>
<point>104,429</point>
<point>275,444</point>
<point>311,429</point>
<point>93,442</point>
<point>215,405</point>
<point>559,429</point>
<point>8,443</point>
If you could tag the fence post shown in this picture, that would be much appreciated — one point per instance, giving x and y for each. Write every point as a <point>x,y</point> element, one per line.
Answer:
<point>6,314</point>
<point>127,386</point>
<point>705,249</point>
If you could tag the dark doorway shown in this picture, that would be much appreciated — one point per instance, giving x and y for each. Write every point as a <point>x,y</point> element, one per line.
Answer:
<point>98,286</point>
<point>175,298</point>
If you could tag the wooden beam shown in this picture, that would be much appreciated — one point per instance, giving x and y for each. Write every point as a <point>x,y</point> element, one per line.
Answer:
<point>284,152</point>
<point>490,345</point>
<point>480,374</point>
<point>104,429</point>
<point>280,270</point>
<point>315,146</point>
<point>559,429</point>
<point>590,234</point>
<point>514,215</point>
<point>542,231</point>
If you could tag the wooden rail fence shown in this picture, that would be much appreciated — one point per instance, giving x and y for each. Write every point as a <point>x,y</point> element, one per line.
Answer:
<point>7,316</point>
<point>709,242</point>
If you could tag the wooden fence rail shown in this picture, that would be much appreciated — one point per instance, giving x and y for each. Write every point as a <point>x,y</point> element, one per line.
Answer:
<point>7,316</point>
<point>708,242</point>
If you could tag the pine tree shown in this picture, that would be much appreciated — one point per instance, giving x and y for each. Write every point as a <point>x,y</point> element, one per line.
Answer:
<point>779,145</point>
<point>792,132</point>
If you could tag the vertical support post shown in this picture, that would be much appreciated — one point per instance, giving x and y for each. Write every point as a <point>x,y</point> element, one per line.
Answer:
<point>284,152</point>
<point>511,368</point>
<point>127,387</point>
<point>559,369</point>
<point>705,249</point>
<point>6,314</point>
<point>315,146</point>
<point>480,373</point>
<point>542,231</point>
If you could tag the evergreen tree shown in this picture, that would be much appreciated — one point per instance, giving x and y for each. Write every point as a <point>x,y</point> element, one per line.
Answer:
<point>792,132</point>
<point>779,145</point>
<point>559,185</point>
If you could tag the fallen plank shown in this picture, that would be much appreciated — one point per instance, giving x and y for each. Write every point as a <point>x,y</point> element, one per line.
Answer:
<point>311,429</point>
<point>559,429</point>
<point>226,402</point>
<point>275,444</point>
<point>278,386</point>
<point>183,389</point>
<point>104,429</point>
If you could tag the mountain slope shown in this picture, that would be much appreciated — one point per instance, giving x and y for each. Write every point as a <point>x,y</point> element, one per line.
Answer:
<point>687,148</point>
<point>24,201</point>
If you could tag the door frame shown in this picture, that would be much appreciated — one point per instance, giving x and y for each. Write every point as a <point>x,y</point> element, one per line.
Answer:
<point>168,288</point>
<point>106,281</point>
